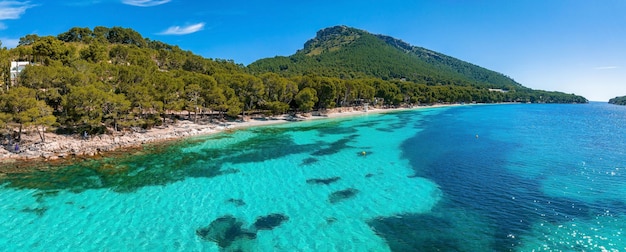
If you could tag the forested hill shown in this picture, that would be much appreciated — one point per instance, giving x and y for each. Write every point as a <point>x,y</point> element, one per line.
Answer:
<point>109,79</point>
<point>620,100</point>
<point>346,52</point>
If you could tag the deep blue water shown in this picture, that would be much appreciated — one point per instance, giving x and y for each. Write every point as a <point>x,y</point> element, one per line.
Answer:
<point>516,177</point>
<point>519,171</point>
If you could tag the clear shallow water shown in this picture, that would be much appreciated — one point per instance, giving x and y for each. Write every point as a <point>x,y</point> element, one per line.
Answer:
<point>537,177</point>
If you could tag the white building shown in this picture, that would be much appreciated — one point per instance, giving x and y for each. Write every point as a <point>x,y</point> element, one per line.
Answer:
<point>498,90</point>
<point>16,69</point>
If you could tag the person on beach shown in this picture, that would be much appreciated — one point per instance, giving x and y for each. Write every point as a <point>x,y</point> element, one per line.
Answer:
<point>17,148</point>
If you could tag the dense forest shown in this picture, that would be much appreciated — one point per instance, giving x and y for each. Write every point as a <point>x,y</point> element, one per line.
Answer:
<point>112,79</point>
<point>620,100</point>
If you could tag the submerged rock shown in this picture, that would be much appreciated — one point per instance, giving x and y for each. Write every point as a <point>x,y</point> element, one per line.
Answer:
<point>335,147</point>
<point>269,222</point>
<point>308,161</point>
<point>229,234</point>
<point>325,181</point>
<point>342,195</point>
<point>39,211</point>
<point>225,231</point>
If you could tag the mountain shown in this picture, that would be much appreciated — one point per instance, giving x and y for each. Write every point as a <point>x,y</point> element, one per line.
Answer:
<point>347,52</point>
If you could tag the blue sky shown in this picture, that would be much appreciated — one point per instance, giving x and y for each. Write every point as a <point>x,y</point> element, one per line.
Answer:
<point>574,46</point>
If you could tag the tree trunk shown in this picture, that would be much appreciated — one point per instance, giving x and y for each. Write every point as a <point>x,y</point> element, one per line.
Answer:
<point>164,115</point>
<point>42,133</point>
<point>19,134</point>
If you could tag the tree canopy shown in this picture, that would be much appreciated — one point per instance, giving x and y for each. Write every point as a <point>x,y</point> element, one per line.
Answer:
<point>620,100</point>
<point>111,79</point>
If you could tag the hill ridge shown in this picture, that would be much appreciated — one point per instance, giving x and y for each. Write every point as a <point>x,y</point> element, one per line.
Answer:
<point>338,50</point>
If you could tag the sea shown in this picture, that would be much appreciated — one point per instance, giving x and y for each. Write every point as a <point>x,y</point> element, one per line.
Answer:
<point>507,177</point>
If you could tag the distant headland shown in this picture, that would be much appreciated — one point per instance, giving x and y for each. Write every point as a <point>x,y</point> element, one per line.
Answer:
<point>619,100</point>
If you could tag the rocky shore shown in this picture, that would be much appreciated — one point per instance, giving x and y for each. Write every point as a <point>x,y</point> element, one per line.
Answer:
<point>64,146</point>
<point>61,146</point>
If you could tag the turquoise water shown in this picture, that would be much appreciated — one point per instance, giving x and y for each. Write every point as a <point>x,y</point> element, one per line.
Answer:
<point>466,178</point>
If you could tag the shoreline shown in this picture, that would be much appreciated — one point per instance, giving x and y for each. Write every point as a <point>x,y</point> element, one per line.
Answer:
<point>61,147</point>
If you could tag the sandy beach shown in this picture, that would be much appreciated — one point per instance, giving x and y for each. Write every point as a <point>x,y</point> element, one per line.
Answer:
<point>67,146</point>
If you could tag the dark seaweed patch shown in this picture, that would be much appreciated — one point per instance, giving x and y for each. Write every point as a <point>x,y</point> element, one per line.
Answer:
<point>39,211</point>
<point>308,161</point>
<point>384,129</point>
<point>336,131</point>
<point>204,172</point>
<point>370,123</point>
<point>325,181</point>
<point>338,196</point>
<point>269,222</point>
<point>229,234</point>
<point>259,148</point>
<point>333,148</point>
<point>42,194</point>
<point>225,231</point>
<point>236,202</point>
<point>336,146</point>
<point>216,137</point>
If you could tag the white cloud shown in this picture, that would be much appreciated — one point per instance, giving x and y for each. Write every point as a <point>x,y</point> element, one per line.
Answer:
<point>13,9</point>
<point>605,67</point>
<point>177,30</point>
<point>82,3</point>
<point>145,3</point>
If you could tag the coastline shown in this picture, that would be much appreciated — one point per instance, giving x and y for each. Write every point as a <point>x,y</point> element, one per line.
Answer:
<point>68,146</point>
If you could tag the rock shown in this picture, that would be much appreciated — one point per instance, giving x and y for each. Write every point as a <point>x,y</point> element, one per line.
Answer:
<point>338,196</point>
<point>323,181</point>
<point>269,222</point>
<point>308,161</point>
<point>225,231</point>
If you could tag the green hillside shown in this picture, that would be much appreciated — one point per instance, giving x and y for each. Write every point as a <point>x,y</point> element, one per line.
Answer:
<point>620,100</point>
<point>346,52</point>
